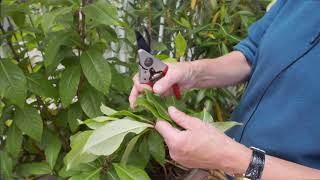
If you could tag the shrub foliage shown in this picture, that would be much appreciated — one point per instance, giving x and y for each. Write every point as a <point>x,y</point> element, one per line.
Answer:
<point>65,77</point>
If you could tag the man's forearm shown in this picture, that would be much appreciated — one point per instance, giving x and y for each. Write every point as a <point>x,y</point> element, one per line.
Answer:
<point>226,70</point>
<point>275,168</point>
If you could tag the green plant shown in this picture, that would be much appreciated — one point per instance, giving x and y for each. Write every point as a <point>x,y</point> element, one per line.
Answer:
<point>61,59</point>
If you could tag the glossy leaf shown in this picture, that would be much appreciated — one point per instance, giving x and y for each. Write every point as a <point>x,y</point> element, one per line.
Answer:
<point>74,113</point>
<point>102,12</point>
<point>129,149</point>
<point>34,168</point>
<point>14,141</point>
<point>91,175</point>
<point>142,102</point>
<point>224,126</point>
<point>181,45</point>
<point>107,110</point>
<point>130,115</point>
<point>97,122</point>
<point>29,121</point>
<point>77,156</point>
<point>156,147</point>
<point>130,172</point>
<point>12,83</point>
<point>107,139</point>
<point>96,70</point>
<point>90,101</point>
<point>52,49</point>
<point>6,165</point>
<point>68,84</point>
<point>155,101</point>
<point>40,85</point>
<point>49,19</point>
<point>52,149</point>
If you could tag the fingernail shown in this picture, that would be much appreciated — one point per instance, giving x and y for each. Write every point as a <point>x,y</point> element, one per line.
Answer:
<point>157,88</point>
<point>172,109</point>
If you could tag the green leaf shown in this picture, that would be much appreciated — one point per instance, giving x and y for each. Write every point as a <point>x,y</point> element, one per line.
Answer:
<point>111,175</point>
<point>49,19</point>
<point>6,165</point>
<point>224,126</point>
<point>107,139</point>
<point>74,113</point>
<point>85,167</point>
<point>68,84</point>
<point>91,175</point>
<point>129,149</point>
<point>142,102</point>
<point>185,23</point>
<point>96,70</point>
<point>12,83</point>
<point>107,110</point>
<point>102,12</point>
<point>19,18</point>
<point>130,172</point>
<point>206,116</point>
<point>130,115</point>
<point>76,156</point>
<point>90,101</point>
<point>52,148</point>
<point>29,121</point>
<point>156,102</point>
<point>113,113</point>
<point>34,168</point>
<point>52,49</point>
<point>140,154</point>
<point>97,122</point>
<point>156,147</point>
<point>40,85</point>
<point>14,141</point>
<point>181,45</point>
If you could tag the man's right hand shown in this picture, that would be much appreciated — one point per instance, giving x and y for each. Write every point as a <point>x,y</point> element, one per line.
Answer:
<point>183,74</point>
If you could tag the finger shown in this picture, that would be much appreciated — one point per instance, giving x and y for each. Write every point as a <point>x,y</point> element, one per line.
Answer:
<point>183,120</point>
<point>165,83</point>
<point>140,87</point>
<point>167,93</point>
<point>133,97</point>
<point>167,131</point>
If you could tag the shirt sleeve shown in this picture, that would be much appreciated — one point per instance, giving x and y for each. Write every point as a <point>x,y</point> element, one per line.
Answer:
<point>249,45</point>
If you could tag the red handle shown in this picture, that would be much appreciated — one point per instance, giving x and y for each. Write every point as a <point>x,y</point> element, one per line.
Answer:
<point>175,87</point>
<point>176,91</point>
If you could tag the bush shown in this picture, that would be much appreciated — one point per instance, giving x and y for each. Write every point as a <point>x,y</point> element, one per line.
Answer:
<point>65,76</point>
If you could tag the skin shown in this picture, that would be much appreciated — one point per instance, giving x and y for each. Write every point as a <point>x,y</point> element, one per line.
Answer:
<point>200,145</point>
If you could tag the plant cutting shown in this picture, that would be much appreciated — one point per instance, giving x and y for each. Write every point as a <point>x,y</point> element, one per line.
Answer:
<point>61,60</point>
<point>108,133</point>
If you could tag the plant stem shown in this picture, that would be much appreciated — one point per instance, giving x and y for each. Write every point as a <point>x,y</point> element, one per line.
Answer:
<point>15,54</point>
<point>176,165</point>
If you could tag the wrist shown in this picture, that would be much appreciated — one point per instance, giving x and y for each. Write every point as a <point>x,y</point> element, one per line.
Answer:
<point>238,160</point>
<point>197,69</point>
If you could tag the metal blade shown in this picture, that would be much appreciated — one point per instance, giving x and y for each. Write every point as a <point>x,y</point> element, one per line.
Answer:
<point>142,43</point>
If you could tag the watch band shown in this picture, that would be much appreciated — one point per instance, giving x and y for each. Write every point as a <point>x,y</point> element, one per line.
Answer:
<point>255,169</point>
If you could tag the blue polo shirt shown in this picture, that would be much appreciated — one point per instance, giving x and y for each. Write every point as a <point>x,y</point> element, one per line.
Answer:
<point>280,109</point>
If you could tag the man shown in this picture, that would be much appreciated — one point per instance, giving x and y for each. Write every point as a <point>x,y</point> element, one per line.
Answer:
<point>279,110</point>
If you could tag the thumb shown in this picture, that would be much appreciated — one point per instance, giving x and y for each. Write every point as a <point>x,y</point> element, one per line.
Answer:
<point>166,130</point>
<point>165,83</point>
<point>183,120</point>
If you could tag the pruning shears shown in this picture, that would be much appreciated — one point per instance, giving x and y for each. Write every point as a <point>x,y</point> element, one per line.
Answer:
<point>151,69</point>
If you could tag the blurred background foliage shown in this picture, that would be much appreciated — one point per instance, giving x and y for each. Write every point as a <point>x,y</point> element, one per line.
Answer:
<point>61,59</point>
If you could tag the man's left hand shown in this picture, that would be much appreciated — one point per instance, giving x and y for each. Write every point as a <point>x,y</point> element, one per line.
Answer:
<point>201,145</point>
